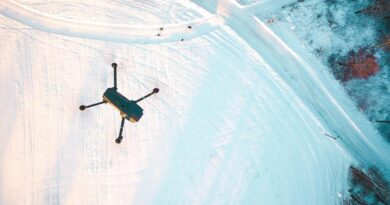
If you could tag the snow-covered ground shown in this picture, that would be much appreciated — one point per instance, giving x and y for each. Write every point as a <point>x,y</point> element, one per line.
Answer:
<point>242,116</point>
<point>331,31</point>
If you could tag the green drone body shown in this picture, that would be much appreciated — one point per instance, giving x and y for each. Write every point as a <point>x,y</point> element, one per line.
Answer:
<point>129,109</point>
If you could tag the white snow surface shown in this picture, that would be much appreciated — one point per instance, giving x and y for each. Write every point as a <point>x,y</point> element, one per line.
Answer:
<point>241,116</point>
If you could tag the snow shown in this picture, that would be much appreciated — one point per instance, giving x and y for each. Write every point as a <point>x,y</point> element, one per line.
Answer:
<point>241,116</point>
<point>105,31</point>
<point>331,31</point>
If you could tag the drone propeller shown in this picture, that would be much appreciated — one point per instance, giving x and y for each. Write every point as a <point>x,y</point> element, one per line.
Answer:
<point>83,107</point>
<point>114,65</point>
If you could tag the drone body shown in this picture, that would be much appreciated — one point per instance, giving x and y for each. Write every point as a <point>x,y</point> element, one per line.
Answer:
<point>129,109</point>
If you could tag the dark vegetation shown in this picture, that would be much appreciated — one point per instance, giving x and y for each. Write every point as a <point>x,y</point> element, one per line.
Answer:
<point>362,62</point>
<point>366,61</point>
<point>367,187</point>
<point>353,39</point>
<point>357,52</point>
<point>380,11</point>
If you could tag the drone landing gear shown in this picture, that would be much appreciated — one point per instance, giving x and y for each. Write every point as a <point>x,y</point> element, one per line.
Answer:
<point>83,107</point>
<point>119,139</point>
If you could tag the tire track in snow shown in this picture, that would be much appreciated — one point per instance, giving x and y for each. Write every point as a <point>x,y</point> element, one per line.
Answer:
<point>231,155</point>
<point>11,103</point>
<point>79,146</point>
<point>108,32</point>
<point>265,7</point>
<point>107,53</point>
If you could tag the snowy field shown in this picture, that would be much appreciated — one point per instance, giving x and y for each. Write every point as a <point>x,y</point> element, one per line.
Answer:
<point>242,117</point>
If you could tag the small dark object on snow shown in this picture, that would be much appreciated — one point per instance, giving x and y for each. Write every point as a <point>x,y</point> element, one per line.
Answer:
<point>129,109</point>
<point>182,39</point>
<point>189,27</point>
<point>330,136</point>
<point>378,8</point>
<point>161,28</point>
<point>158,34</point>
<point>383,121</point>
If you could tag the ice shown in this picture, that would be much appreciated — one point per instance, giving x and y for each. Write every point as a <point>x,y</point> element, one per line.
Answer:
<point>243,115</point>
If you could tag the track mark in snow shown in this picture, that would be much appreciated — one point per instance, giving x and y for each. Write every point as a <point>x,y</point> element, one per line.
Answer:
<point>108,32</point>
<point>265,7</point>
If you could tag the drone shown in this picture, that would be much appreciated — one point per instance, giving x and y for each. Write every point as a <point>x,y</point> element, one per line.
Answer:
<point>129,109</point>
